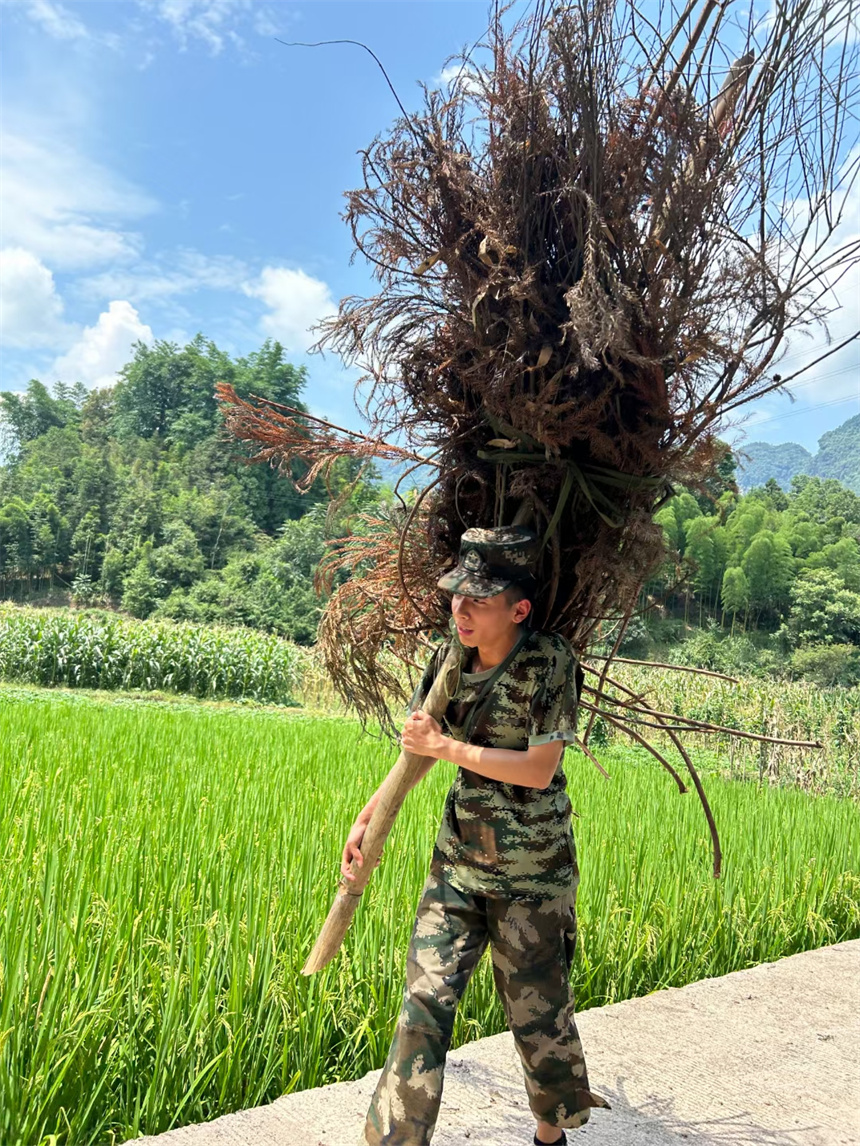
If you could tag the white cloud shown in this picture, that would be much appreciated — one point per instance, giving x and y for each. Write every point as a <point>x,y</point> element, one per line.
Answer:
<point>295,301</point>
<point>102,350</point>
<point>56,20</point>
<point>265,23</point>
<point>50,18</point>
<point>64,207</point>
<point>466,75</point>
<point>213,23</point>
<point>839,23</point>
<point>834,377</point>
<point>207,20</point>
<point>833,385</point>
<point>31,311</point>
<point>188,271</point>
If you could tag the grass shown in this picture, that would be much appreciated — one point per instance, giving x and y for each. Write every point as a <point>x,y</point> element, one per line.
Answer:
<point>168,866</point>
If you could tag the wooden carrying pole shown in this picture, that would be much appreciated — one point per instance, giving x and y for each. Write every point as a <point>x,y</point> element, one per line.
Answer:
<point>392,794</point>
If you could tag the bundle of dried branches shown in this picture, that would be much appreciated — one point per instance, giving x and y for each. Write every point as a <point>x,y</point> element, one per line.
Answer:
<point>590,253</point>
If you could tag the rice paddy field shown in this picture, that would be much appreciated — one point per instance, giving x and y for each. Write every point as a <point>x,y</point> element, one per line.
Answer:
<point>98,649</point>
<point>167,865</point>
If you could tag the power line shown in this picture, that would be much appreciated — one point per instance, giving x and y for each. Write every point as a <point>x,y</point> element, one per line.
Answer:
<point>806,410</point>
<point>853,369</point>
<point>795,356</point>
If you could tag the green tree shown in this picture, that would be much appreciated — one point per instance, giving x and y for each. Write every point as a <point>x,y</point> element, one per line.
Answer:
<point>270,589</point>
<point>735,592</point>
<point>749,518</point>
<point>803,536</point>
<point>179,560</point>
<point>95,421</point>
<point>769,568</point>
<point>164,386</point>
<point>674,517</point>
<point>775,495</point>
<point>821,500</point>
<point>26,417</point>
<point>87,543</point>
<point>705,551</point>
<point>46,527</point>
<point>142,588</point>
<point>843,557</point>
<point>15,542</point>
<point>827,665</point>
<point>823,610</point>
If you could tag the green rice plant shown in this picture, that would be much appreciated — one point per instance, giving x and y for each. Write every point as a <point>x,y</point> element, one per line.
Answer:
<point>167,867</point>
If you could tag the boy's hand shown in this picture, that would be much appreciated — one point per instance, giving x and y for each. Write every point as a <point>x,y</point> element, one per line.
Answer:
<point>351,849</point>
<point>423,735</point>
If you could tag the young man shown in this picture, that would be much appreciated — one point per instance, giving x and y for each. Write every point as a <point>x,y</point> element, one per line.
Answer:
<point>504,868</point>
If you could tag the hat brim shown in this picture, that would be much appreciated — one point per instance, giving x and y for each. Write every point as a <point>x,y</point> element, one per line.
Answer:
<point>469,584</point>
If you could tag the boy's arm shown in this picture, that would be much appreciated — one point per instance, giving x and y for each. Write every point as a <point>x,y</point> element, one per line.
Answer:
<point>532,767</point>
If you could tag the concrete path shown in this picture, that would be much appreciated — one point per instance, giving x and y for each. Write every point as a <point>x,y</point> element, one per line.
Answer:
<point>765,1057</point>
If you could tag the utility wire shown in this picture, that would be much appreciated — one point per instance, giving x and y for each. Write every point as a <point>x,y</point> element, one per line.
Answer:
<point>806,410</point>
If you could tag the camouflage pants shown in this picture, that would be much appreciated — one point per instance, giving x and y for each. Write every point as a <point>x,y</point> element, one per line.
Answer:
<point>532,944</point>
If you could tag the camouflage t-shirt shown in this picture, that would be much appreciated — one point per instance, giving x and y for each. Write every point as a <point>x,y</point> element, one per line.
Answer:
<point>498,839</point>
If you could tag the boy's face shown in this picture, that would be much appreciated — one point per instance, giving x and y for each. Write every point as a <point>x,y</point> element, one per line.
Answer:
<point>483,620</point>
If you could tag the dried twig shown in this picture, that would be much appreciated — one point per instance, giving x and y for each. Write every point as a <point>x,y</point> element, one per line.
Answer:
<point>662,665</point>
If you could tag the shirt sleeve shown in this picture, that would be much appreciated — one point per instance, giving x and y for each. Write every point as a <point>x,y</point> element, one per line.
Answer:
<point>555,701</point>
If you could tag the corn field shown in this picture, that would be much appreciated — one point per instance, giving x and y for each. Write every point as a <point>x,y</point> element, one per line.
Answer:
<point>102,650</point>
<point>166,867</point>
<point>796,711</point>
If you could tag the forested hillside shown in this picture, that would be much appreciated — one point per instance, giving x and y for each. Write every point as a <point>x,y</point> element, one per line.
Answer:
<point>782,565</point>
<point>133,497</point>
<point>838,457</point>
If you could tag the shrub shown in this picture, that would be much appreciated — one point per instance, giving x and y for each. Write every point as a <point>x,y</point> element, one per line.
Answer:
<point>827,664</point>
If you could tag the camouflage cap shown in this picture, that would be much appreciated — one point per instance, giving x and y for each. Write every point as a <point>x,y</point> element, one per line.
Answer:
<point>491,560</point>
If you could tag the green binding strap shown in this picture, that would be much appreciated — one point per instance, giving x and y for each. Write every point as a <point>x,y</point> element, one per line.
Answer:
<point>490,681</point>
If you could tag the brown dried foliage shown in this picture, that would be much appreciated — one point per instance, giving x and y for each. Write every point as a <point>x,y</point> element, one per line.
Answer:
<point>582,273</point>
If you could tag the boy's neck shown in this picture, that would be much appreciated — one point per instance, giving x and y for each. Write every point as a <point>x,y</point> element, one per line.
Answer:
<point>488,656</point>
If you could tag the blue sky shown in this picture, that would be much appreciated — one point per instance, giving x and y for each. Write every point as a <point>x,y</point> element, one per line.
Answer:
<point>169,168</point>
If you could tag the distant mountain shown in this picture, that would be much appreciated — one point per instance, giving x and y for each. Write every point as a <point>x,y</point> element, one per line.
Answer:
<point>389,472</point>
<point>838,457</point>
<point>760,461</point>
<point>839,454</point>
